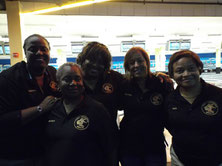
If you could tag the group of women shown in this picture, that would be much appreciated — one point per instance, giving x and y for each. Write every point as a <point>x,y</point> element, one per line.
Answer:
<point>88,136</point>
<point>71,119</point>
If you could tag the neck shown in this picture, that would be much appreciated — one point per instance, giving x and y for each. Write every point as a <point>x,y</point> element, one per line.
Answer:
<point>91,84</point>
<point>71,104</point>
<point>36,73</point>
<point>191,91</point>
<point>142,84</point>
<point>39,77</point>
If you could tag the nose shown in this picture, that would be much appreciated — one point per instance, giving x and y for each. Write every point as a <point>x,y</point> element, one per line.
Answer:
<point>186,73</point>
<point>39,52</point>
<point>136,64</point>
<point>73,82</point>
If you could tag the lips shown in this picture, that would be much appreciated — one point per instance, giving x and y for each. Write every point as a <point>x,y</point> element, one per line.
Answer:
<point>40,60</point>
<point>187,80</point>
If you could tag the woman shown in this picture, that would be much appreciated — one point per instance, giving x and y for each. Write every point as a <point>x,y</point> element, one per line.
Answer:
<point>194,114</point>
<point>101,83</point>
<point>79,129</point>
<point>141,130</point>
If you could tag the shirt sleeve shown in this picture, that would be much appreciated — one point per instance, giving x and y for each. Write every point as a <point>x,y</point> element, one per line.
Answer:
<point>108,137</point>
<point>10,115</point>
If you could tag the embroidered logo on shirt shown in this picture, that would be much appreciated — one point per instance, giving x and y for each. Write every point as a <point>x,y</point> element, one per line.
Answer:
<point>209,108</point>
<point>108,88</point>
<point>53,85</point>
<point>81,122</point>
<point>156,99</point>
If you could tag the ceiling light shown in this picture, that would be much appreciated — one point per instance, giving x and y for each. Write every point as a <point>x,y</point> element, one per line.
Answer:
<point>186,35</point>
<point>123,36</point>
<point>88,36</point>
<point>53,37</point>
<point>64,7</point>
<point>156,35</point>
<point>214,34</point>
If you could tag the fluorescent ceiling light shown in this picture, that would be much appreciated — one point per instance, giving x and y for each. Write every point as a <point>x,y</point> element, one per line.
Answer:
<point>156,35</point>
<point>64,7</point>
<point>186,35</point>
<point>123,36</point>
<point>88,36</point>
<point>206,42</point>
<point>53,37</point>
<point>214,34</point>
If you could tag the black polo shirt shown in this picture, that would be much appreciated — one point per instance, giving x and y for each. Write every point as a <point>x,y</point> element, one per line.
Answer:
<point>85,137</point>
<point>197,128</point>
<point>107,92</point>
<point>142,126</point>
<point>18,90</point>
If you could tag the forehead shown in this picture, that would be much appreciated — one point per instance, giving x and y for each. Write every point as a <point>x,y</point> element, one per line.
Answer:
<point>136,55</point>
<point>71,70</point>
<point>99,61</point>
<point>36,41</point>
<point>183,62</point>
<point>95,57</point>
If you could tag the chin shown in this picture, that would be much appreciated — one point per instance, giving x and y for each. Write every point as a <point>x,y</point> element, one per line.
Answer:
<point>188,85</point>
<point>138,77</point>
<point>38,72</point>
<point>73,97</point>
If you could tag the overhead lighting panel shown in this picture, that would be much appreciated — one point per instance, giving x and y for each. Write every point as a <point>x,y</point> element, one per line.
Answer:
<point>89,36</point>
<point>156,35</point>
<point>214,34</point>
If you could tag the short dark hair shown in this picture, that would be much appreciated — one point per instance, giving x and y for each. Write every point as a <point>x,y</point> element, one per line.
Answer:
<point>93,50</point>
<point>60,70</point>
<point>181,54</point>
<point>34,35</point>
<point>131,53</point>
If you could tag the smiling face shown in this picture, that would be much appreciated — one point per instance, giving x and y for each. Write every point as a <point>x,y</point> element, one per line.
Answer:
<point>186,73</point>
<point>138,66</point>
<point>93,69</point>
<point>37,53</point>
<point>71,83</point>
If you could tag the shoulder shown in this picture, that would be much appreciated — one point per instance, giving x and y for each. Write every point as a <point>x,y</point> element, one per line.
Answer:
<point>212,89</point>
<point>156,83</point>
<point>95,106</point>
<point>14,73</point>
<point>115,75</point>
<point>92,103</point>
<point>10,72</point>
<point>172,97</point>
<point>51,70</point>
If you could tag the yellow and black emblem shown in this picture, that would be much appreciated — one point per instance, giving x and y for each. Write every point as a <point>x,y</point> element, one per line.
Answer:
<point>156,99</point>
<point>81,122</point>
<point>53,85</point>
<point>210,108</point>
<point>108,88</point>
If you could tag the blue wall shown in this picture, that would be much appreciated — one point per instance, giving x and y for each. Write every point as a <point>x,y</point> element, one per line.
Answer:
<point>117,61</point>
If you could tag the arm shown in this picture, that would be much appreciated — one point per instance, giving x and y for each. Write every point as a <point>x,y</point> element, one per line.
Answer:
<point>12,115</point>
<point>31,113</point>
<point>165,80</point>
